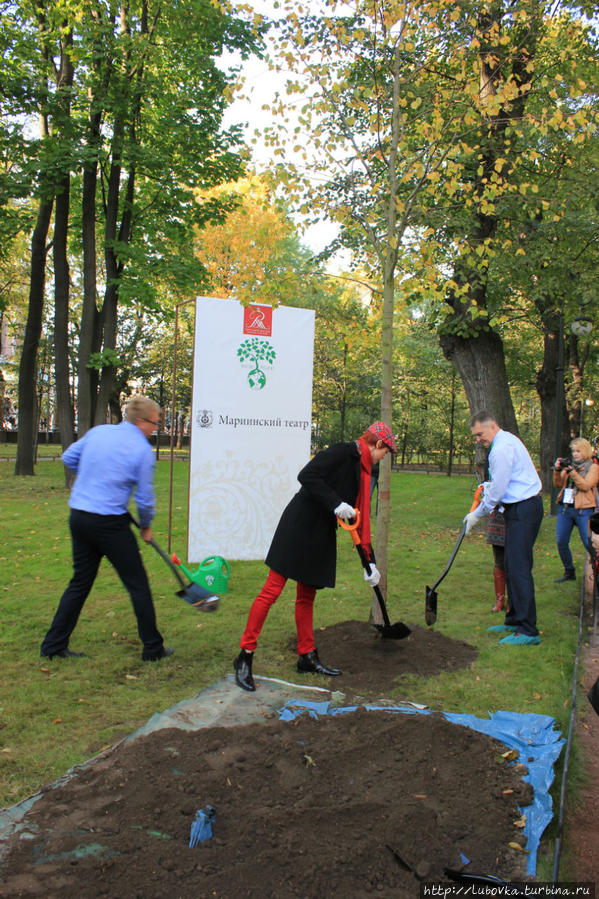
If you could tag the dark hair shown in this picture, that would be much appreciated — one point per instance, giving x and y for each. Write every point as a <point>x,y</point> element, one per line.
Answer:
<point>482,417</point>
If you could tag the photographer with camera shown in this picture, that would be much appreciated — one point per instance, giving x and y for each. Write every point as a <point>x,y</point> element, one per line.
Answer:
<point>577,477</point>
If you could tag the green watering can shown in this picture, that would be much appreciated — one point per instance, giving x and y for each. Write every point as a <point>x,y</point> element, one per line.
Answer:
<point>212,574</point>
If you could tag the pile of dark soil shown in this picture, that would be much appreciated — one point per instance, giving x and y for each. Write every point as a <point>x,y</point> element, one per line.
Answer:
<point>371,666</point>
<point>363,803</point>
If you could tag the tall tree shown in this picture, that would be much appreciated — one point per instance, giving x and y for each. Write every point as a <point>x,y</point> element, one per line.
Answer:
<point>133,110</point>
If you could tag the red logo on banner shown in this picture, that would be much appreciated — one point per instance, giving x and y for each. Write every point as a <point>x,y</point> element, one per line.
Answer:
<point>257,320</point>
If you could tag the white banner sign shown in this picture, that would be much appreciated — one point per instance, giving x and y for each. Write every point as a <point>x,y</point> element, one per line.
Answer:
<point>251,424</point>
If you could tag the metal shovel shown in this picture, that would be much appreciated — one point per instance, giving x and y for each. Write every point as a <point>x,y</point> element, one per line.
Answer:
<point>388,631</point>
<point>430,606</point>
<point>192,593</point>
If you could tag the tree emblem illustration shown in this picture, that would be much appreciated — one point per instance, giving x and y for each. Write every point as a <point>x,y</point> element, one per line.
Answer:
<point>257,351</point>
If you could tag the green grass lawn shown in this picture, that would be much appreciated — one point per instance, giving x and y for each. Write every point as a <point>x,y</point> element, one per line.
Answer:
<point>56,714</point>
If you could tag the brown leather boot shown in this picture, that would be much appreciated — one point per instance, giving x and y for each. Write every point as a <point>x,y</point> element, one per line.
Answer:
<point>499,578</point>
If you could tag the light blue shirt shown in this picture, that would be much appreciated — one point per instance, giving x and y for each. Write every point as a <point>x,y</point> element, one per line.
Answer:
<point>110,461</point>
<point>512,474</point>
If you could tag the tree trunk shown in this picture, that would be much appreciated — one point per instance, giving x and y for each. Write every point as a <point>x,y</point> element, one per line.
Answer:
<point>89,338</point>
<point>480,363</point>
<point>33,329</point>
<point>555,430</point>
<point>388,256</point>
<point>61,314</point>
<point>476,350</point>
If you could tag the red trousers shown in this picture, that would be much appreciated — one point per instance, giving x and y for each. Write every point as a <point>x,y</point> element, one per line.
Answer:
<point>304,609</point>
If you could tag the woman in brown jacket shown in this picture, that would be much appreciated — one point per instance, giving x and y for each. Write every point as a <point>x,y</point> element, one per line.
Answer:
<point>577,479</point>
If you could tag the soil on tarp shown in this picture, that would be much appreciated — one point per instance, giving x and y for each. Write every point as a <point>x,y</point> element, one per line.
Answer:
<point>361,803</point>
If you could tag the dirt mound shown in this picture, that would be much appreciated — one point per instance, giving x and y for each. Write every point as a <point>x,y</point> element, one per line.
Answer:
<point>372,666</point>
<point>347,805</point>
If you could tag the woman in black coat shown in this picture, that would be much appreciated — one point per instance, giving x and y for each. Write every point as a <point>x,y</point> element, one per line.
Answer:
<point>304,547</point>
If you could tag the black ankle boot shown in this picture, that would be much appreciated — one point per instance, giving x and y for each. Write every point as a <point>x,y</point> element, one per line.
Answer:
<point>310,662</point>
<point>243,670</point>
<point>568,575</point>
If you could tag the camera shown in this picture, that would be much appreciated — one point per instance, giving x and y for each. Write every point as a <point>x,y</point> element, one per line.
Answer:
<point>564,462</point>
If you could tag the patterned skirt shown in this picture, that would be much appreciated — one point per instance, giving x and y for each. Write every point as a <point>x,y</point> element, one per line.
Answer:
<point>496,529</point>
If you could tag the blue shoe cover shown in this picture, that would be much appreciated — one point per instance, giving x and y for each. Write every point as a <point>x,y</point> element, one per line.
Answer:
<point>521,640</point>
<point>498,628</point>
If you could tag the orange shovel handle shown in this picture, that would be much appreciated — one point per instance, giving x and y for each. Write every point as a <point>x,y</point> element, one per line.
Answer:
<point>352,528</point>
<point>477,496</point>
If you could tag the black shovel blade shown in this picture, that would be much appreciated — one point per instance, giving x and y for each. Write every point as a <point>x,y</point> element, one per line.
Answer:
<point>430,607</point>
<point>397,631</point>
<point>199,598</point>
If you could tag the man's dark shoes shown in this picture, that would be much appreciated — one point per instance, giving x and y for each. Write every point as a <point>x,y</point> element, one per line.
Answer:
<point>310,662</point>
<point>243,670</point>
<point>62,654</point>
<point>164,653</point>
<point>568,575</point>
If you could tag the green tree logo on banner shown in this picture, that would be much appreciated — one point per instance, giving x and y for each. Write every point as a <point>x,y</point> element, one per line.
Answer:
<point>257,351</point>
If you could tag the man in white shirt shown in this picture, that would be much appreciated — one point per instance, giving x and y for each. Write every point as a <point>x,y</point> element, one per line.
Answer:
<point>513,484</point>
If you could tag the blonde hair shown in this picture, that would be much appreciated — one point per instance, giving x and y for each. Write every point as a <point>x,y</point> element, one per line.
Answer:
<point>140,406</point>
<point>583,446</point>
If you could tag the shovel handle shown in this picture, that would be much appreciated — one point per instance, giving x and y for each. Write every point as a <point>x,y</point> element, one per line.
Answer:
<point>477,495</point>
<point>161,553</point>
<point>352,528</point>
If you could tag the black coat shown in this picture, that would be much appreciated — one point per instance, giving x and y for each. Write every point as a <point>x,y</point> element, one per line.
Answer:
<point>304,546</point>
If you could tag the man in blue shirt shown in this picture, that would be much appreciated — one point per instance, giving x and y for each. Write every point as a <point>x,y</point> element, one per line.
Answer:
<point>110,461</point>
<point>513,484</point>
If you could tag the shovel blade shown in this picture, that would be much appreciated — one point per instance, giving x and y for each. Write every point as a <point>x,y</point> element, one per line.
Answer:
<point>199,598</point>
<point>397,631</point>
<point>430,608</point>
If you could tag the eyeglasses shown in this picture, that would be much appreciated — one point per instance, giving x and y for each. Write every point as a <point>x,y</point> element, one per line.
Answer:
<point>150,422</point>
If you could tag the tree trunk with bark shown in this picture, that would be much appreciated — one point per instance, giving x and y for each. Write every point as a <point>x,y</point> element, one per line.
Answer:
<point>467,339</point>
<point>550,387</point>
<point>480,363</point>
<point>26,439</point>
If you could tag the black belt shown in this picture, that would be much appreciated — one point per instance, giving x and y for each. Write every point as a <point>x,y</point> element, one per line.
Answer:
<point>517,503</point>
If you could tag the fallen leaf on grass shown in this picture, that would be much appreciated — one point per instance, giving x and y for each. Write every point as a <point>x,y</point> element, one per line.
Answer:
<point>536,696</point>
<point>7,750</point>
<point>45,670</point>
<point>131,677</point>
<point>57,721</point>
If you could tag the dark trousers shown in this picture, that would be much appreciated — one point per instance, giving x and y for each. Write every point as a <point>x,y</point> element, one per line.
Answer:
<point>522,523</point>
<point>92,537</point>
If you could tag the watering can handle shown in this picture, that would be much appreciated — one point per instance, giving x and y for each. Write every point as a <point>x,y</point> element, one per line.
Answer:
<point>212,559</point>
<point>352,528</point>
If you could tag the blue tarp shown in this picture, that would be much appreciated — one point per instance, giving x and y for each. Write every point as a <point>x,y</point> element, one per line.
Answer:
<point>534,737</point>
